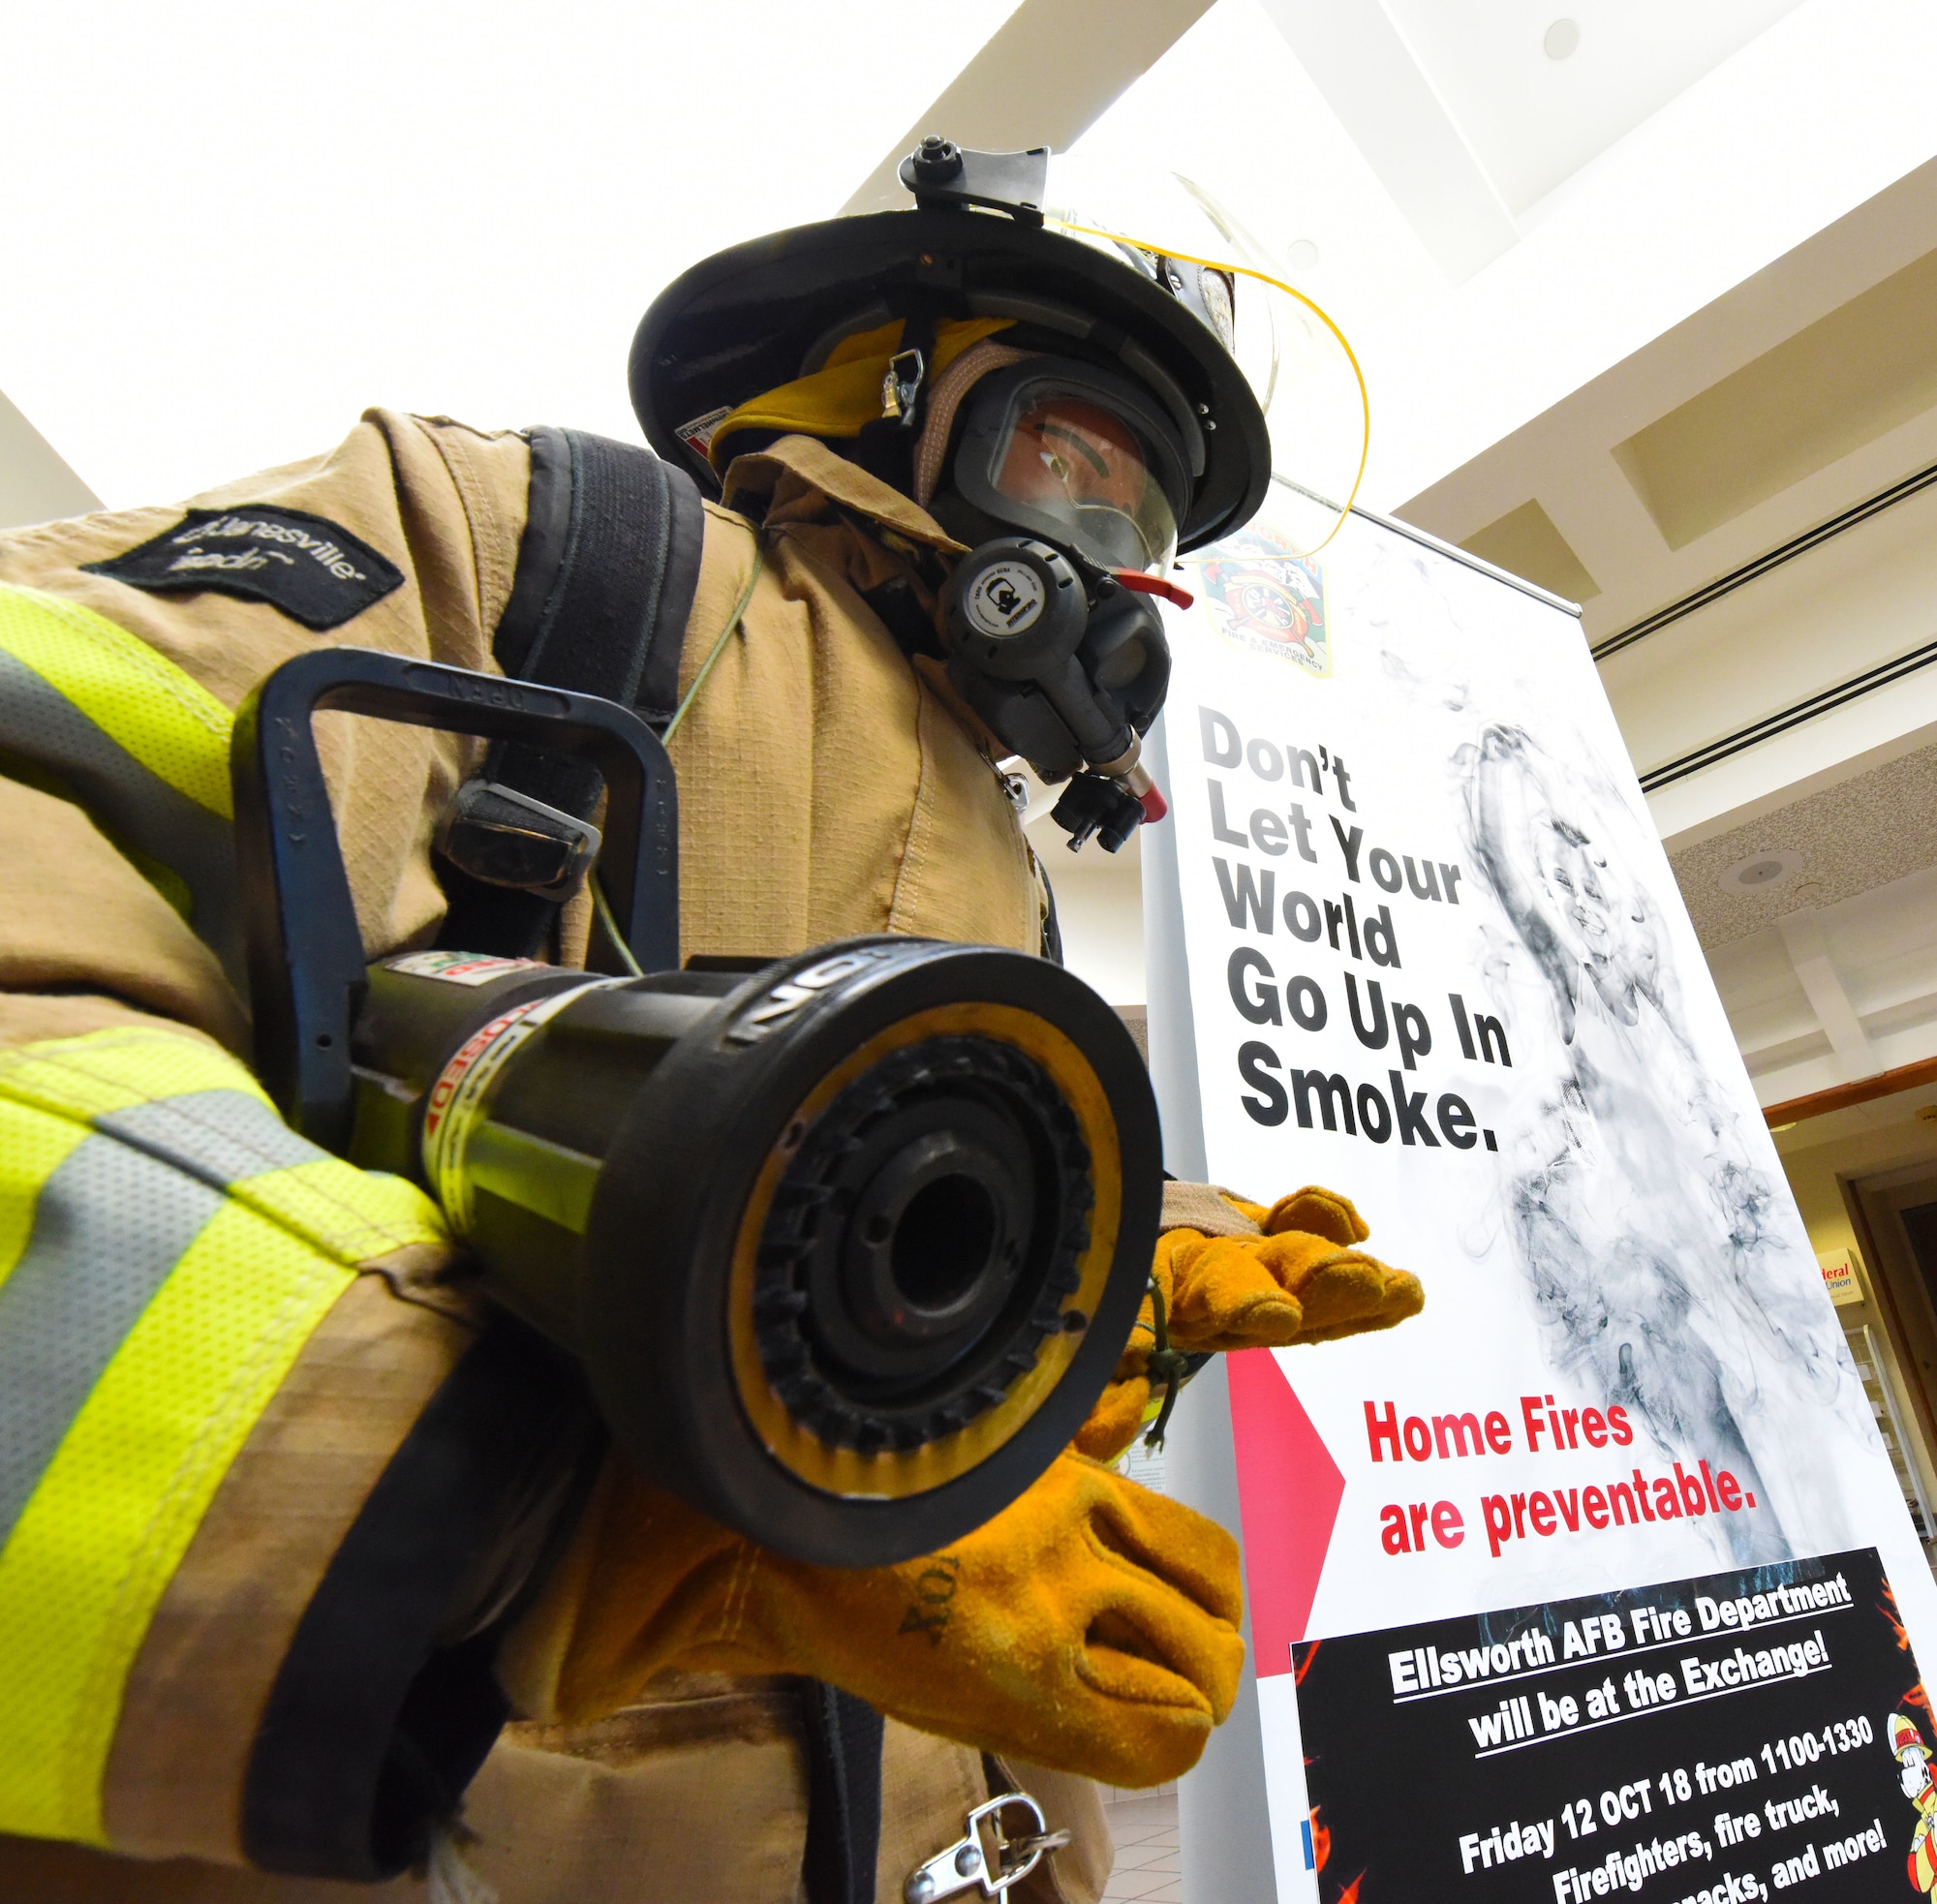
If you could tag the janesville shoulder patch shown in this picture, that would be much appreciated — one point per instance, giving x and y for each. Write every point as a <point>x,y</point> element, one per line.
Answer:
<point>315,570</point>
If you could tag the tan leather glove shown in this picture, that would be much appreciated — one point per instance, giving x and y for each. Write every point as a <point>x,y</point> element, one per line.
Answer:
<point>1092,1626</point>
<point>1233,1274</point>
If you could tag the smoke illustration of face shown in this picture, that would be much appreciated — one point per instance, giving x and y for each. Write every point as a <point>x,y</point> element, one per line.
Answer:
<point>1643,1225</point>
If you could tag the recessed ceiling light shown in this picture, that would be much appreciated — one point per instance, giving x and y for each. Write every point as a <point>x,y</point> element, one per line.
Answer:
<point>1761,873</point>
<point>1302,255</point>
<point>1563,38</point>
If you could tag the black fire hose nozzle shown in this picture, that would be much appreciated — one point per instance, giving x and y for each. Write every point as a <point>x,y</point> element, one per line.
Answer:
<point>847,1243</point>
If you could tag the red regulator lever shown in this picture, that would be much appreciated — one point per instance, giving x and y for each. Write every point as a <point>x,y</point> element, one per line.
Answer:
<point>1138,583</point>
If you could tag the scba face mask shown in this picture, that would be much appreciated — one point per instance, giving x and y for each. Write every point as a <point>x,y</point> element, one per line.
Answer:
<point>1069,480</point>
<point>1064,450</point>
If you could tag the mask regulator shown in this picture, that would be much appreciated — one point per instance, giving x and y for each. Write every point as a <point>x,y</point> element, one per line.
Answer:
<point>1067,663</point>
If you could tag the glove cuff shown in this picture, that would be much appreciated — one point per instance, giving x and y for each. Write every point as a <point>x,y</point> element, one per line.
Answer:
<point>1207,1208</point>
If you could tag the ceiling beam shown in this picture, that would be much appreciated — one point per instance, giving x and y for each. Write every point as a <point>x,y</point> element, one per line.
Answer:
<point>36,485</point>
<point>1050,72</point>
<point>1385,101</point>
<point>1809,953</point>
<point>1839,1098</point>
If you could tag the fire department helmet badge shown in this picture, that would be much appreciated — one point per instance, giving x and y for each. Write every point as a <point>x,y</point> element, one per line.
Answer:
<point>1260,595</point>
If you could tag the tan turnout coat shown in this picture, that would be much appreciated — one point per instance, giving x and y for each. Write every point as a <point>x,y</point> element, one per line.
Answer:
<point>827,788</point>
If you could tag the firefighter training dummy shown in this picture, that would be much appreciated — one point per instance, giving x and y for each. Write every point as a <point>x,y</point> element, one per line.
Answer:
<point>298,1530</point>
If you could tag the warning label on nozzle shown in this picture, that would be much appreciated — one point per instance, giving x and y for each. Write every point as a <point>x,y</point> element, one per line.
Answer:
<point>1708,1742</point>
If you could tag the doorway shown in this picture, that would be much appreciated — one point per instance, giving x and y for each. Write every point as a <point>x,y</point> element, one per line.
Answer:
<point>1893,1332</point>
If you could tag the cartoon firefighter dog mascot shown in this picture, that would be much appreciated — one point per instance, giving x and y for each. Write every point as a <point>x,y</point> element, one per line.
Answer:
<point>1913,1758</point>
<point>295,1512</point>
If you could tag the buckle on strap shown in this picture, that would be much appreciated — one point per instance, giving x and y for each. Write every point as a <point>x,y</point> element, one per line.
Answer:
<point>507,837</point>
<point>901,387</point>
<point>985,1854</point>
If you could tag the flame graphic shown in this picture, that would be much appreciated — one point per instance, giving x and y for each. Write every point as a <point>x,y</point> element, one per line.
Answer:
<point>1916,1696</point>
<point>1305,1665</point>
<point>1321,1841</point>
<point>1350,1894</point>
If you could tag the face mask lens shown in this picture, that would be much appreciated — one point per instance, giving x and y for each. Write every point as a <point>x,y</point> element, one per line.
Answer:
<point>1082,466</point>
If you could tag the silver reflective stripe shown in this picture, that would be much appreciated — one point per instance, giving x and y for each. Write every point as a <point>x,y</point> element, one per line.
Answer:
<point>40,724</point>
<point>220,1136</point>
<point>109,1226</point>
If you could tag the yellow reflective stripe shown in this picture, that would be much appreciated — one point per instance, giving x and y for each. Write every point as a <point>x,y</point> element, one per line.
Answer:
<point>105,1530</point>
<point>89,1076</point>
<point>112,1515</point>
<point>156,712</point>
<point>51,1091</point>
<point>32,1147</point>
<point>350,1215</point>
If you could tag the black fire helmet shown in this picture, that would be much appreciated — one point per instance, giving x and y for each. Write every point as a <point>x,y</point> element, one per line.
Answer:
<point>768,312</point>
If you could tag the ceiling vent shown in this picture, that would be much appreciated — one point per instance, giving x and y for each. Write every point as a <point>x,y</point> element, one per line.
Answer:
<point>1761,873</point>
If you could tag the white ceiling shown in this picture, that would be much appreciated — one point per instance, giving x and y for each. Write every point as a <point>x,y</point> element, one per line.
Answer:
<point>1467,118</point>
<point>1495,228</point>
<point>1873,830</point>
<point>465,208</point>
<point>1829,969</point>
<point>229,232</point>
<point>1533,121</point>
<point>1830,995</point>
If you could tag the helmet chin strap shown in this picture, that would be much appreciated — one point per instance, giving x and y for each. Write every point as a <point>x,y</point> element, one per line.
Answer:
<point>944,402</point>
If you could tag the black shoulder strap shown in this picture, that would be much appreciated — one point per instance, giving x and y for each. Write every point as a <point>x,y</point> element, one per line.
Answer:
<point>607,569</point>
<point>607,572</point>
<point>843,1735</point>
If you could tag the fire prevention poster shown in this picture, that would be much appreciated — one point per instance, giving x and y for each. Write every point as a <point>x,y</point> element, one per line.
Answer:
<point>1593,1579</point>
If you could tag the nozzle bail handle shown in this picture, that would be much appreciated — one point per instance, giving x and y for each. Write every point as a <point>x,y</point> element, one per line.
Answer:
<point>306,964</point>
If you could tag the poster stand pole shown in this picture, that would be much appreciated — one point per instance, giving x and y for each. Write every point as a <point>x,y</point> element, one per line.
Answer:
<point>1223,1815</point>
<point>1223,1818</point>
<point>1170,1026</point>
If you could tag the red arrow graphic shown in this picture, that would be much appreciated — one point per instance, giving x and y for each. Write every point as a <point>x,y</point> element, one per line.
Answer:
<point>1288,1493</point>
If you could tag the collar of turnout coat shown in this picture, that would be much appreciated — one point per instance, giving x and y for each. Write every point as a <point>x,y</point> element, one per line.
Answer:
<point>801,476</point>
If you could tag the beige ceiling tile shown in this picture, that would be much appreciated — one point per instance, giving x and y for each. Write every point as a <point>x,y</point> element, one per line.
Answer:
<point>1853,838</point>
